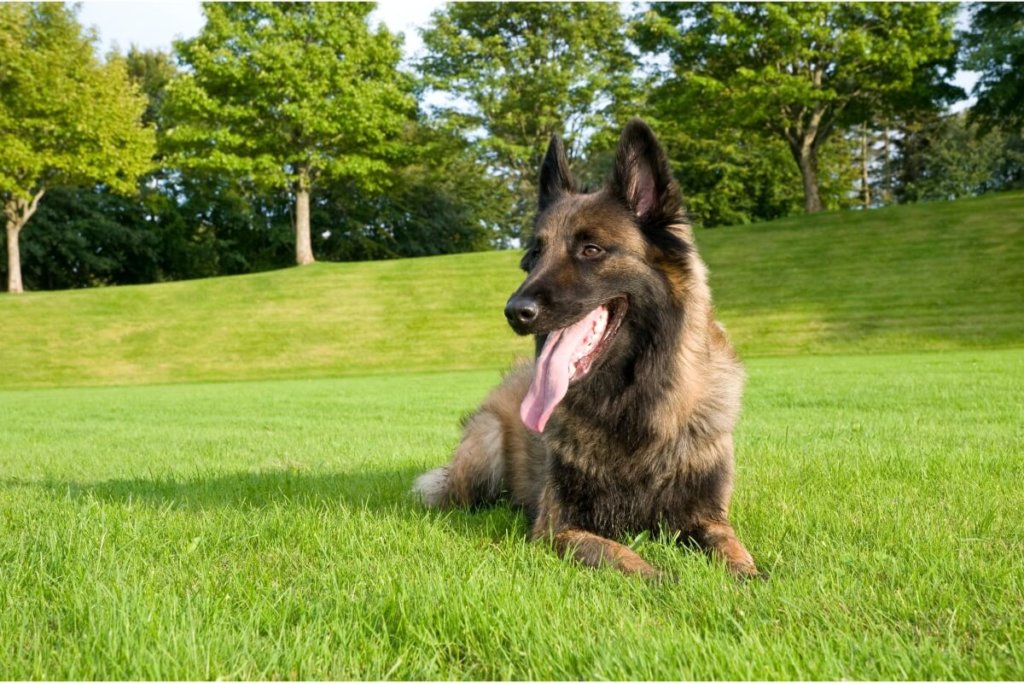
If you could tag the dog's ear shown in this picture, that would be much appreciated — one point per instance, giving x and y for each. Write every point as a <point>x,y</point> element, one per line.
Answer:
<point>642,178</point>
<point>555,177</point>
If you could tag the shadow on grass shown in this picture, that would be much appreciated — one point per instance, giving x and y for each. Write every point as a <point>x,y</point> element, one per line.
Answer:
<point>379,491</point>
<point>374,489</point>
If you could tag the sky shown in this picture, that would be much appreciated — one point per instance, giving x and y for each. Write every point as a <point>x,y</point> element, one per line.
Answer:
<point>153,24</point>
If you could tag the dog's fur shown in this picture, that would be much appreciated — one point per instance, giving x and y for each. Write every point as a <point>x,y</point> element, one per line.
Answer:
<point>643,441</point>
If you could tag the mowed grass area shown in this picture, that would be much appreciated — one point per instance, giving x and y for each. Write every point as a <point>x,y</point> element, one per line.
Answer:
<point>925,277</point>
<point>236,506</point>
<point>263,530</point>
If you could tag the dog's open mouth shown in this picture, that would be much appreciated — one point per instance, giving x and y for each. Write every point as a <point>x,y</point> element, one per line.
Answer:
<point>568,355</point>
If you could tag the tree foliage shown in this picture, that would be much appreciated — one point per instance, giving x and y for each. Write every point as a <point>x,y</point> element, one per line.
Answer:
<point>799,71</point>
<point>287,95</point>
<point>438,202</point>
<point>517,73</point>
<point>949,157</point>
<point>65,117</point>
<point>995,48</point>
<point>88,236</point>
<point>279,116</point>
<point>151,71</point>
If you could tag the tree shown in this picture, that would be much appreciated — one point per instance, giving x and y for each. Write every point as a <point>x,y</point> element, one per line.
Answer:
<point>948,157</point>
<point>995,47</point>
<point>152,71</point>
<point>520,72</point>
<point>800,71</point>
<point>438,202</point>
<point>89,236</point>
<point>65,118</point>
<point>288,95</point>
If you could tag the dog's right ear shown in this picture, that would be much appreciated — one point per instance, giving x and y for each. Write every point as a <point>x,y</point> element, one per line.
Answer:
<point>642,178</point>
<point>555,177</point>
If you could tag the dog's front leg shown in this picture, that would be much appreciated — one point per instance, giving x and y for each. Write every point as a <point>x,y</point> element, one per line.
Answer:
<point>597,551</point>
<point>719,539</point>
<point>584,546</point>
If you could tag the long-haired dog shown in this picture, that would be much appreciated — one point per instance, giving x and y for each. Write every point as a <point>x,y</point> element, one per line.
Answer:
<point>623,423</point>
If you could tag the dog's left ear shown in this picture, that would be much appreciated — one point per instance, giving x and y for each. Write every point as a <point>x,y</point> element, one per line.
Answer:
<point>642,178</point>
<point>555,177</point>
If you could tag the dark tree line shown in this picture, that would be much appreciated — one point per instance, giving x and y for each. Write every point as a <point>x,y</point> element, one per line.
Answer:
<point>285,133</point>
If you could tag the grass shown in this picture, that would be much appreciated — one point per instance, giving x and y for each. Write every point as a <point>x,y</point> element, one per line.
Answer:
<point>210,527</point>
<point>926,277</point>
<point>262,530</point>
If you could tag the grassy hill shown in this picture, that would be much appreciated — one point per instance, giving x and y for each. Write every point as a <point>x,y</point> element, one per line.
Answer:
<point>930,276</point>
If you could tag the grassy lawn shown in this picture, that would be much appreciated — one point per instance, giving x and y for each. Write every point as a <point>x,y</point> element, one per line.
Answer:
<point>209,479</point>
<point>930,276</point>
<point>262,530</point>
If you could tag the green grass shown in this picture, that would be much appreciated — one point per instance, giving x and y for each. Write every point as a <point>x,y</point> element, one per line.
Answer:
<point>212,528</point>
<point>931,276</point>
<point>262,530</point>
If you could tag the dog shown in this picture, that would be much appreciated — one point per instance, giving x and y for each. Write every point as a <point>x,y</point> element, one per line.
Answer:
<point>623,422</point>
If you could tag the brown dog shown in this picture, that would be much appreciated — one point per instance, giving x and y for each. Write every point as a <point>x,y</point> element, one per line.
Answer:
<point>624,421</point>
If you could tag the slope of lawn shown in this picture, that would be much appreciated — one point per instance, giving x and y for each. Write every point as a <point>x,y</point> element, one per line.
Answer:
<point>261,530</point>
<point>925,277</point>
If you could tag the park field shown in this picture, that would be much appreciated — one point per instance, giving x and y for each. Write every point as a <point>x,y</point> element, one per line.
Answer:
<point>210,479</point>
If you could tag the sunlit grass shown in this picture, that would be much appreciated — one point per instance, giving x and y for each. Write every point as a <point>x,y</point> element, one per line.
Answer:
<point>263,530</point>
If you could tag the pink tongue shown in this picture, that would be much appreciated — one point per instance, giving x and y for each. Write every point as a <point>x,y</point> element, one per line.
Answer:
<point>551,378</point>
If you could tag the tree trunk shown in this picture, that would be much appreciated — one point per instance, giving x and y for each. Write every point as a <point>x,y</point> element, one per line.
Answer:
<point>13,259</point>
<point>865,160</point>
<point>303,243</point>
<point>17,212</point>
<point>886,167</point>
<point>807,159</point>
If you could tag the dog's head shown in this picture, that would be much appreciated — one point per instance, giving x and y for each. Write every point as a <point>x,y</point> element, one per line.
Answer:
<point>596,263</point>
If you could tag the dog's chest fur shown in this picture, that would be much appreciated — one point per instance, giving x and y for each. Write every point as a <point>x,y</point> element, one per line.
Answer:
<point>616,489</point>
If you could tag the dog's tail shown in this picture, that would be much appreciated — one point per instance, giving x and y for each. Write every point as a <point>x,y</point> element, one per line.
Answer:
<point>476,472</point>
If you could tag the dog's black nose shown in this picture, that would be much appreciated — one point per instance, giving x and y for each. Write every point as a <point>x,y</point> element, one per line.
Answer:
<point>521,310</point>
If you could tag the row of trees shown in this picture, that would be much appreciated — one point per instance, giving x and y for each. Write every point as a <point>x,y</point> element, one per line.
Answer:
<point>287,130</point>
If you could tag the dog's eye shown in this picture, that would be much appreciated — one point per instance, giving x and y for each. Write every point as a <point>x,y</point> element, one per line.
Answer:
<point>592,251</point>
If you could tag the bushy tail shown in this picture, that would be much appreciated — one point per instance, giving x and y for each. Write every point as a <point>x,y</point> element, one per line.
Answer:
<point>476,471</point>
